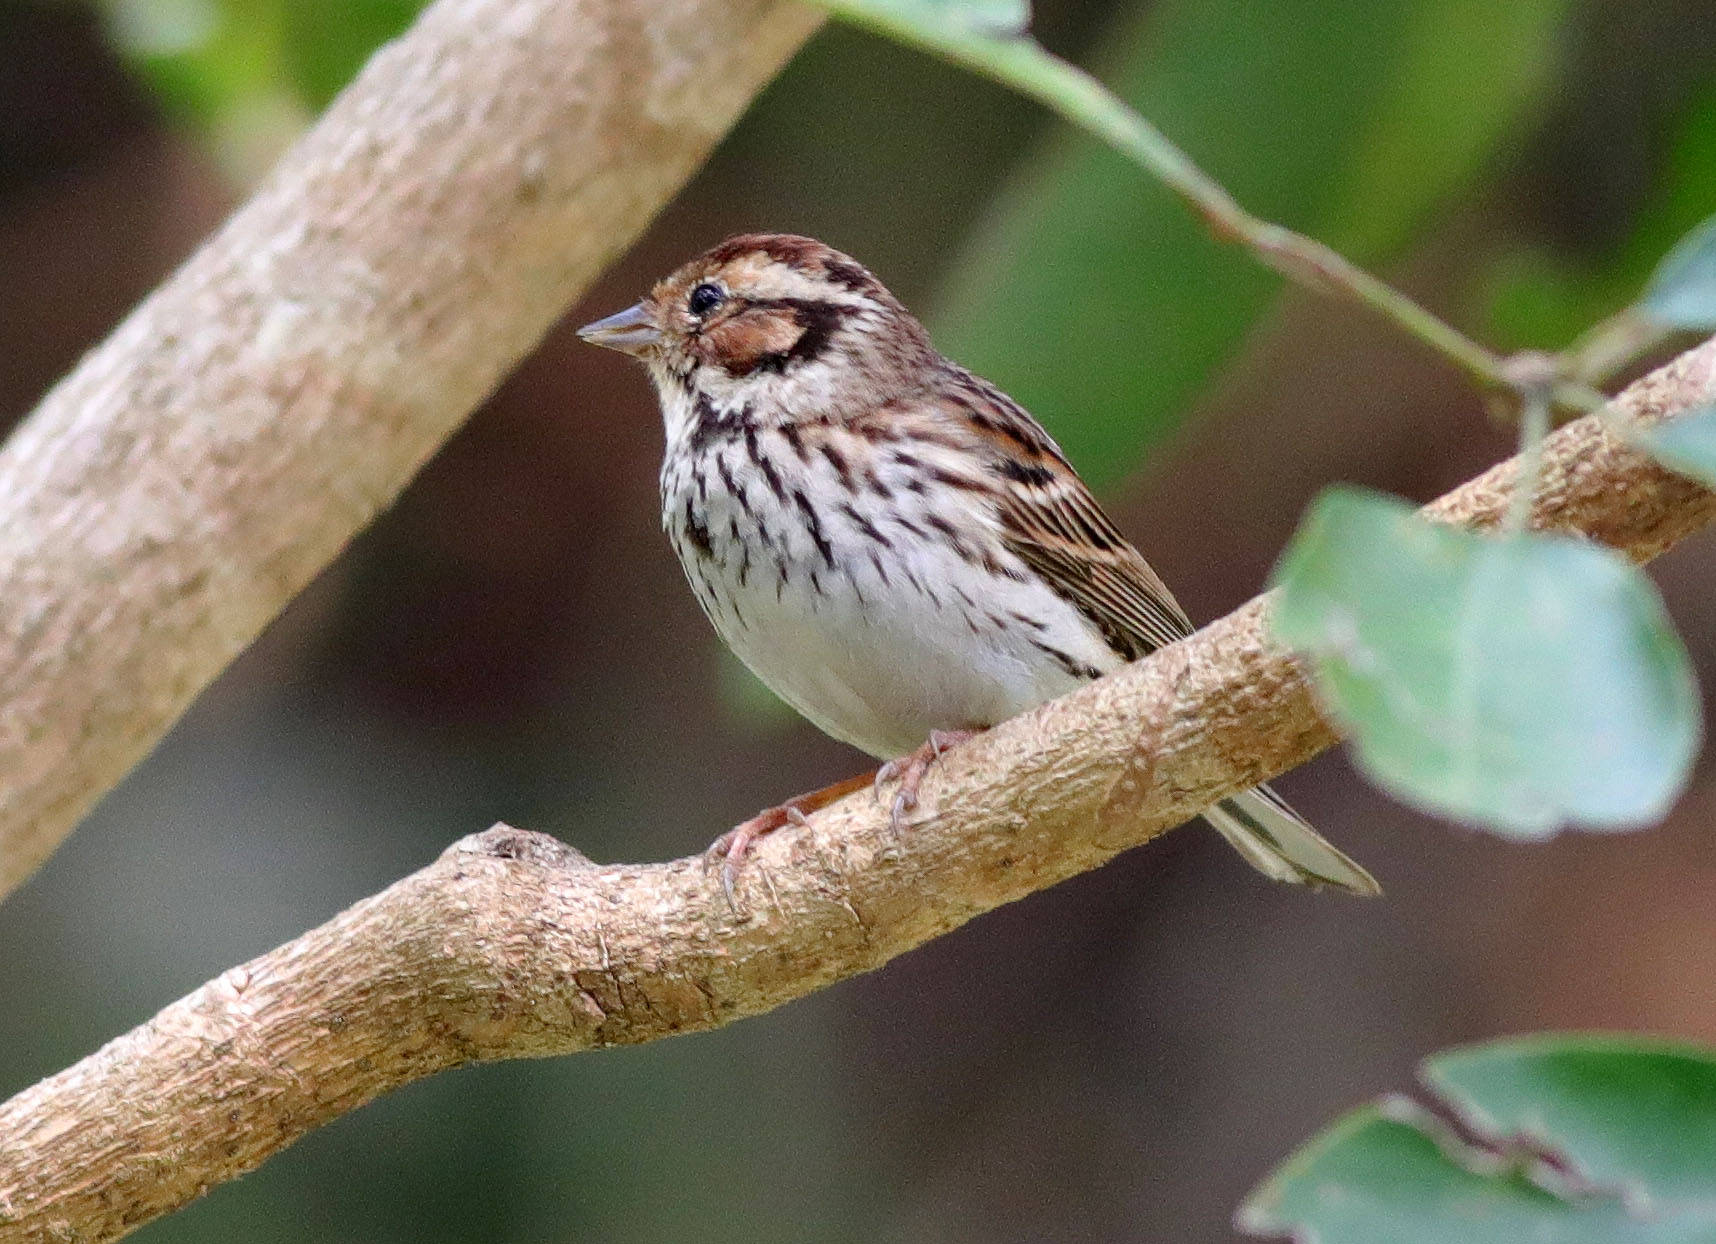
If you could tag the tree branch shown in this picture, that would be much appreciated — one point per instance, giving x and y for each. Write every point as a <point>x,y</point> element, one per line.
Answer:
<point>514,946</point>
<point>193,473</point>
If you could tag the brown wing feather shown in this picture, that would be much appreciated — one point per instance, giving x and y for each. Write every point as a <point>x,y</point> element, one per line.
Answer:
<point>1051,522</point>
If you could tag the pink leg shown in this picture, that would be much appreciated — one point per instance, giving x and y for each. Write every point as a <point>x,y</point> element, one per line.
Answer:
<point>911,769</point>
<point>730,848</point>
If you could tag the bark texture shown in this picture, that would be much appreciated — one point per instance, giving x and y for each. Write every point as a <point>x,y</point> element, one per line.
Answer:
<point>194,472</point>
<point>511,945</point>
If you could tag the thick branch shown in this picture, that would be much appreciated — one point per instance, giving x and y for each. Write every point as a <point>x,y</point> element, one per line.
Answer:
<point>192,474</point>
<point>511,945</point>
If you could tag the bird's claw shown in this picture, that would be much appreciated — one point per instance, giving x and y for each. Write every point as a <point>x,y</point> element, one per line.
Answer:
<point>910,771</point>
<point>885,773</point>
<point>904,802</point>
<point>730,849</point>
<point>728,852</point>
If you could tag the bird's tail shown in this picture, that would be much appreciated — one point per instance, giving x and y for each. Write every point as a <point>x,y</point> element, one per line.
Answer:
<point>1279,843</point>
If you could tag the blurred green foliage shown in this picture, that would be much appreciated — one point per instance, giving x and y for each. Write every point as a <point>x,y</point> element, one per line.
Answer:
<point>1099,302</point>
<point>1545,298</point>
<point>210,59</point>
<point>327,41</point>
<point>248,73</point>
<point>1563,1140</point>
<point>203,58</point>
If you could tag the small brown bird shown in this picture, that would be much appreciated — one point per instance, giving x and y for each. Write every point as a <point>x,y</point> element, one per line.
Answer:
<point>891,543</point>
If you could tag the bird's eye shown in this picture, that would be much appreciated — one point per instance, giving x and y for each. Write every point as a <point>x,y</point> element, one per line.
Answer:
<point>705,298</point>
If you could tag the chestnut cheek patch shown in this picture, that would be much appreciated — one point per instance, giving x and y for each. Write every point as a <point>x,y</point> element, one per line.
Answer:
<point>754,341</point>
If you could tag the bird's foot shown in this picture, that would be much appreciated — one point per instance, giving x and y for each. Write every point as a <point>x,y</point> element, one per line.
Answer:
<point>910,770</point>
<point>730,849</point>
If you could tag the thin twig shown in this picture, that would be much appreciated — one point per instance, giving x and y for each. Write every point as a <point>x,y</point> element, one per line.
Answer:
<point>1612,346</point>
<point>1534,377</point>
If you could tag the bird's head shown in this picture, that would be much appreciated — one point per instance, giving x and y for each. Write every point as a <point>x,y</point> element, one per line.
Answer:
<point>775,322</point>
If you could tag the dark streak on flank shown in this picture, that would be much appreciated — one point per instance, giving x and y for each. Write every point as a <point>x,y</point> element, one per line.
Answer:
<point>953,479</point>
<point>1077,668</point>
<point>837,460</point>
<point>993,565</point>
<point>865,525</point>
<point>738,542</point>
<point>731,484</point>
<point>813,524</point>
<point>951,534</point>
<point>696,532</point>
<point>765,537</point>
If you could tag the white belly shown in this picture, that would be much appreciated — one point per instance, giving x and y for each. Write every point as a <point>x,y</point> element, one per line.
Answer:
<point>876,635</point>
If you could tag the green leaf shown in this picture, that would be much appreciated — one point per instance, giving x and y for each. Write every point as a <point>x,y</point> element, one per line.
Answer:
<point>1562,1140</point>
<point>1623,1114</point>
<point>1519,684</point>
<point>1682,292</point>
<point>1687,443</point>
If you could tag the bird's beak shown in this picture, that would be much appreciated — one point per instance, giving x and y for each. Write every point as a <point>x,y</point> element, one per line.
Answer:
<point>631,331</point>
